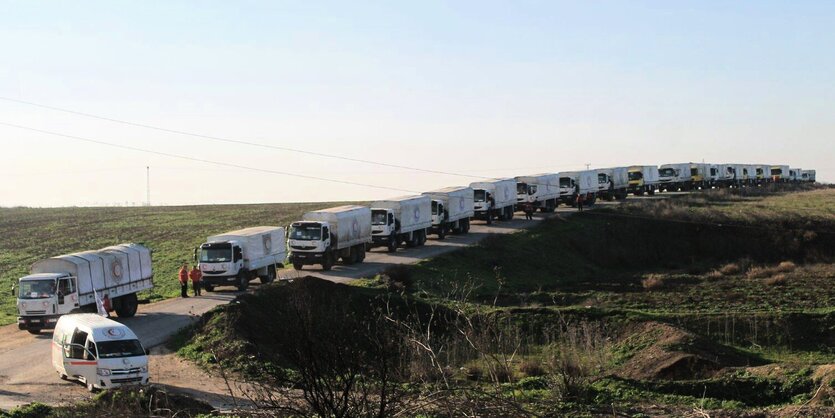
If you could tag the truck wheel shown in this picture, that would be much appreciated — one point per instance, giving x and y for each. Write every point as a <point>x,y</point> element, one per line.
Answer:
<point>208,287</point>
<point>414,241</point>
<point>127,306</point>
<point>243,281</point>
<point>361,254</point>
<point>327,261</point>
<point>442,232</point>
<point>651,192</point>
<point>422,237</point>
<point>466,225</point>
<point>270,277</point>
<point>33,331</point>
<point>510,213</point>
<point>392,246</point>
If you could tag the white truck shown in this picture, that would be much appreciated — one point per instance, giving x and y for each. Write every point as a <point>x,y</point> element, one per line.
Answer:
<point>237,257</point>
<point>763,173</point>
<point>700,176</point>
<point>398,220</point>
<point>613,183</point>
<point>674,177</point>
<point>795,174</point>
<point>643,179</point>
<point>808,175</point>
<point>584,183</point>
<point>323,236</point>
<point>540,190</point>
<point>494,198</point>
<point>76,282</point>
<point>779,173</point>
<point>452,208</point>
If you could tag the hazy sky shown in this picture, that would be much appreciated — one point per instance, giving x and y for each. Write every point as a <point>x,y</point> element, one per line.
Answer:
<point>481,88</point>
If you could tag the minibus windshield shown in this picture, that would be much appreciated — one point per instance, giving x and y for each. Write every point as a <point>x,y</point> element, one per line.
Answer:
<point>120,348</point>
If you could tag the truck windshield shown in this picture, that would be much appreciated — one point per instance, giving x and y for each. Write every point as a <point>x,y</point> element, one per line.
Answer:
<point>479,195</point>
<point>120,348</point>
<point>694,171</point>
<point>565,182</point>
<point>667,172</point>
<point>36,289</point>
<point>635,175</point>
<point>378,217</point>
<point>602,178</point>
<point>306,232</point>
<point>216,255</point>
<point>434,207</point>
<point>776,172</point>
<point>521,188</point>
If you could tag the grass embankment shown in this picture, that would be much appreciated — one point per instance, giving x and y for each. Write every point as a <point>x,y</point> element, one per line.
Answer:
<point>172,233</point>
<point>722,300</point>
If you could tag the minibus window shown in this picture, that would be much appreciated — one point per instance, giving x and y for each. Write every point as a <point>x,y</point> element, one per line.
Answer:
<point>120,348</point>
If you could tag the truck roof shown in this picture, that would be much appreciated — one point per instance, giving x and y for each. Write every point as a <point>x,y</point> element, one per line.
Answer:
<point>338,209</point>
<point>41,276</point>
<point>402,198</point>
<point>449,189</point>
<point>255,230</point>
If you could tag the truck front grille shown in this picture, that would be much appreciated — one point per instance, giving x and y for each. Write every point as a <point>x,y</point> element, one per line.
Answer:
<point>35,312</point>
<point>303,247</point>
<point>214,272</point>
<point>117,372</point>
<point>124,380</point>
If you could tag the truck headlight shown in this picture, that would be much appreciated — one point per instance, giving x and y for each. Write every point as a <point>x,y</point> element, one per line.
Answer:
<point>103,372</point>
<point>143,369</point>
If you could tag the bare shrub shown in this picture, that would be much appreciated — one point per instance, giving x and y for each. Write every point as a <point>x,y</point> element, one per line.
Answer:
<point>776,280</point>
<point>532,368</point>
<point>730,269</point>
<point>653,282</point>
<point>714,275</point>
<point>786,267</point>
<point>577,359</point>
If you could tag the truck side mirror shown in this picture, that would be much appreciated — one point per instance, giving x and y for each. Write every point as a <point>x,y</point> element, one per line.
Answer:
<point>14,288</point>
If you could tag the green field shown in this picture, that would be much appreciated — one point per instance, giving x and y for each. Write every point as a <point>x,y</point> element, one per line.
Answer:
<point>172,233</point>
<point>719,303</point>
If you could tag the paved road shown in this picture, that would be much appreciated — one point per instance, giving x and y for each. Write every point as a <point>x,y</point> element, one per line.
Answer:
<point>26,373</point>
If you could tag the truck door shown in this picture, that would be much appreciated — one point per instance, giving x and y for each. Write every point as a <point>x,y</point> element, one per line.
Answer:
<point>79,360</point>
<point>67,295</point>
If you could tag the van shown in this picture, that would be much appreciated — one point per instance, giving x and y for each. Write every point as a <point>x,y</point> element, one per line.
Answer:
<point>99,352</point>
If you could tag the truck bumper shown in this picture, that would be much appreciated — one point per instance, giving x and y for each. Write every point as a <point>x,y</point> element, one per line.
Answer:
<point>37,322</point>
<point>306,258</point>
<point>218,280</point>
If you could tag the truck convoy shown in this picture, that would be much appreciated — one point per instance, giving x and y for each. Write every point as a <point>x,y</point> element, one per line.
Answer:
<point>808,175</point>
<point>643,179</point>
<point>405,219</point>
<point>496,197</point>
<point>452,208</point>
<point>573,183</point>
<point>323,236</point>
<point>613,183</point>
<point>540,190</point>
<point>76,282</point>
<point>236,257</point>
<point>780,173</point>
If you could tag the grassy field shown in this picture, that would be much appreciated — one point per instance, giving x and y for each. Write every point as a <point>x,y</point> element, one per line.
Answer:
<point>713,304</point>
<point>172,233</point>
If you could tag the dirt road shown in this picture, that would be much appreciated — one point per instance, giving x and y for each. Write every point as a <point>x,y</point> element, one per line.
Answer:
<point>26,373</point>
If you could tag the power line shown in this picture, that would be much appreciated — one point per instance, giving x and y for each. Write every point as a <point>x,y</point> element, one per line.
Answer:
<point>238,141</point>
<point>201,160</point>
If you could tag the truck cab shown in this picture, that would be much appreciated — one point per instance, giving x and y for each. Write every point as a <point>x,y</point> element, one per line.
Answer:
<point>310,242</point>
<point>481,200</point>
<point>567,189</point>
<point>383,222</point>
<point>42,298</point>
<point>439,213</point>
<point>526,193</point>
<point>220,259</point>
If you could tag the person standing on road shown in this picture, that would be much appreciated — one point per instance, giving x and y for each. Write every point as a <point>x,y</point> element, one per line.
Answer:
<point>491,205</point>
<point>184,280</point>
<point>580,202</point>
<point>528,208</point>
<point>195,275</point>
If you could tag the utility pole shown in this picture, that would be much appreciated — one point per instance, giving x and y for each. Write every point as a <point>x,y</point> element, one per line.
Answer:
<point>147,185</point>
<point>587,166</point>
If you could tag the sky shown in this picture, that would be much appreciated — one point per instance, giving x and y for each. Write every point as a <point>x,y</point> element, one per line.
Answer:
<point>478,89</point>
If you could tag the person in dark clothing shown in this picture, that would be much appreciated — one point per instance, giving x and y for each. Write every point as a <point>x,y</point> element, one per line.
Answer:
<point>580,200</point>
<point>528,209</point>
<point>491,205</point>
<point>195,275</point>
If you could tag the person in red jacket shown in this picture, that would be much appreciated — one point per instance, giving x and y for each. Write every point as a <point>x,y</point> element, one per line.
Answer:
<point>184,280</point>
<point>195,275</point>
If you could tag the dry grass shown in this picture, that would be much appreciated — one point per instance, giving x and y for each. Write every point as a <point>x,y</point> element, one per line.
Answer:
<point>760,272</point>
<point>786,267</point>
<point>653,282</point>
<point>532,368</point>
<point>776,280</point>
<point>730,269</point>
<point>715,275</point>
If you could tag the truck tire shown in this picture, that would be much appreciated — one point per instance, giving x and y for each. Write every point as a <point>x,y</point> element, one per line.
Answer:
<point>361,253</point>
<point>392,246</point>
<point>327,261</point>
<point>510,213</point>
<point>466,225</point>
<point>413,242</point>
<point>651,192</point>
<point>350,258</point>
<point>270,277</point>
<point>442,232</point>
<point>208,287</point>
<point>33,331</point>
<point>126,305</point>
<point>422,237</point>
<point>243,280</point>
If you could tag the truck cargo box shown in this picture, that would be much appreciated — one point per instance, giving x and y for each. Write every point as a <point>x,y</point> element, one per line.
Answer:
<point>414,212</point>
<point>350,224</point>
<point>458,201</point>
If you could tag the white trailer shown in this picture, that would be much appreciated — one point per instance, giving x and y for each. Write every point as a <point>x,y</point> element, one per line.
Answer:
<point>452,208</point>
<point>613,182</point>
<point>496,197</point>
<point>673,177</point>
<point>323,236</point>
<point>237,257</point>
<point>73,283</point>
<point>404,219</point>
<point>779,173</point>
<point>540,190</point>
<point>573,183</point>
<point>643,179</point>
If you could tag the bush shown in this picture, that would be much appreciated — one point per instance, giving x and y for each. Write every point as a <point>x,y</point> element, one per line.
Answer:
<point>531,368</point>
<point>714,275</point>
<point>730,269</point>
<point>653,282</point>
<point>786,267</point>
<point>33,410</point>
<point>760,272</point>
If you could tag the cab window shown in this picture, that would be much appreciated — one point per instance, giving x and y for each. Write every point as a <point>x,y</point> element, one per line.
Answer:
<point>66,286</point>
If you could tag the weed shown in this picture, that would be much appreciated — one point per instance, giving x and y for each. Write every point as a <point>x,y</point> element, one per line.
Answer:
<point>776,280</point>
<point>730,269</point>
<point>653,282</point>
<point>532,368</point>
<point>786,267</point>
